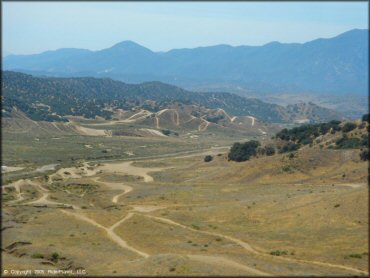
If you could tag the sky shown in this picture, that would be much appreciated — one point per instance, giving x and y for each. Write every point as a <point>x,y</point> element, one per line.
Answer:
<point>34,27</point>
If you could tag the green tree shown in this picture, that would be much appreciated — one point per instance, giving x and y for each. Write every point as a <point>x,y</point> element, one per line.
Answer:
<point>243,151</point>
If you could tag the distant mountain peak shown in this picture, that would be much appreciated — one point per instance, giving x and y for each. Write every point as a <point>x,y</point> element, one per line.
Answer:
<point>128,45</point>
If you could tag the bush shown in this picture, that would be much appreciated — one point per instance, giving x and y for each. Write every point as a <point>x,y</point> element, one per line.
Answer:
<point>261,151</point>
<point>55,257</point>
<point>286,168</point>
<point>365,141</point>
<point>208,158</point>
<point>166,132</point>
<point>279,252</point>
<point>37,256</point>
<point>243,151</point>
<point>349,127</point>
<point>348,143</point>
<point>269,150</point>
<point>290,147</point>
<point>365,118</point>
<point>306,141</point>
<point>357,256</point>
<point>364,155</point>
<point>215,119</point>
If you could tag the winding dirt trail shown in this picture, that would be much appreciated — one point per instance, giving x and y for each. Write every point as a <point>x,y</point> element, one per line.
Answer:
<point>243,244</point>
<point>43,199</point>
<point>203,126</point>
<point>110,231</point>
<point>17,186</point>
<point>221,261</point>
<point>157,122</point>
<point>249,248</point>
<point>115,186</point>
<point>252,118</point>
<point>227,115</point>
<point>129,169</point>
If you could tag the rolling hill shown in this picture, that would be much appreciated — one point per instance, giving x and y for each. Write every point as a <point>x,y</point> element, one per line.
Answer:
<point>54,99</point>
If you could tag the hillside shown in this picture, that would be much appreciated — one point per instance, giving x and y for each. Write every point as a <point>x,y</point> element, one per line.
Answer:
<point>334,135</point>
<point>53,99</point>
<point>336,65</point>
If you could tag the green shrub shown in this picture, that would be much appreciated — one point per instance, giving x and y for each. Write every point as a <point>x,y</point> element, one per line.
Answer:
<point>306,141</point>
<point>215,119</point>
<point>286,168</point>
<point>279,252</point>
<point>166,132</point>
<point>364,155</point>
<point>55,257</point>
<point>269,150</point>
<point>289,147</point>
<point>357,256</point>
<point>196,227</point>
<point>208,158</point>
<point>243,151</point>
<point>37,256</point>
<point>348,143</point>
<point>349,127</point>
<point>365,140</point>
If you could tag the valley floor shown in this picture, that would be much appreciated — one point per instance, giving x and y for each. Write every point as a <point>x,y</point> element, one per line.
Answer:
<point>179,215</point>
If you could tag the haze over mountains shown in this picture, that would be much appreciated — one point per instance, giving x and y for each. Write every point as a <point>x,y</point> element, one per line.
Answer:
<point>336,66</point>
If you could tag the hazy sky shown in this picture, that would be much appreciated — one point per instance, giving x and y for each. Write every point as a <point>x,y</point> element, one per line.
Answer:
<point>34,27</point>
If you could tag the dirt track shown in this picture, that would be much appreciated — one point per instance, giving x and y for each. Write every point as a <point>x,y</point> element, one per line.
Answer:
<point>129,169</point>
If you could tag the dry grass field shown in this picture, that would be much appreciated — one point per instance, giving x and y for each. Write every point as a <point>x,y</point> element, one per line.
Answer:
<point>178,215</point>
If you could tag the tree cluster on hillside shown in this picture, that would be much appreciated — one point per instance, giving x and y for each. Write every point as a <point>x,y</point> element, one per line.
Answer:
<point>243,151</point>
<point>293,139</point>
<point>306,133</point>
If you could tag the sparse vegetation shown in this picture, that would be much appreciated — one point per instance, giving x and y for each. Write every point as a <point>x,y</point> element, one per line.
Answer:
<point>54,257</point>
<point>37,256</point>
<point>355,255</point>
<point>279,252</point>
<point>196,227</point>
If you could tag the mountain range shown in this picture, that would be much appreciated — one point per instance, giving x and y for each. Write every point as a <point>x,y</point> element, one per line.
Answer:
<point>336,65</point>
